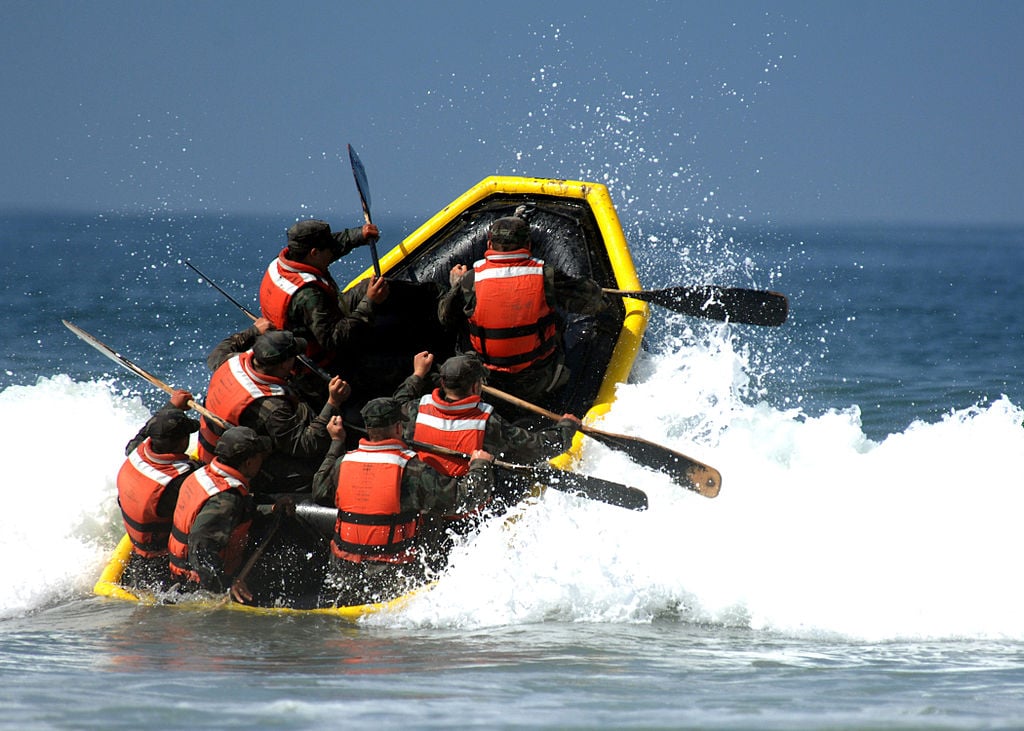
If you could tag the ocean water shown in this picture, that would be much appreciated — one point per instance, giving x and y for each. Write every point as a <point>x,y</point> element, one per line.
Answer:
<point>858,570</point>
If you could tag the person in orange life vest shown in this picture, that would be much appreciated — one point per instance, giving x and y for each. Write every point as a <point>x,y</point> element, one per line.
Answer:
<point>147,490</point>
<point>298,293</point>
<point>454,416</point>
<point>214,514</point>
<point>381,491</point>
<point>252,389</point>
<point>506,305</point>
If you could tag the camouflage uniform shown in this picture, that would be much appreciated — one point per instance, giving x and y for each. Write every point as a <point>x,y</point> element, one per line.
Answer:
<point>210,534</point>
<point>424,491</point>
<point>331,321</point>
<point>299,433</point>
<point>154,573</point>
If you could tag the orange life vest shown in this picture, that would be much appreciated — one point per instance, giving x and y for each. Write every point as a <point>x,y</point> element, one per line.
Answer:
<point>196,490</point>
<point>234,385</point>
<point>458,425</point>
<point>370,524</point>
<point>141,482</point>
<point>281,281</point>
<point>512,325</point>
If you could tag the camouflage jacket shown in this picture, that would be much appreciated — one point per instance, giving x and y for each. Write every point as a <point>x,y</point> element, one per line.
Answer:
<point>210,534</point>
<point>299,433</point>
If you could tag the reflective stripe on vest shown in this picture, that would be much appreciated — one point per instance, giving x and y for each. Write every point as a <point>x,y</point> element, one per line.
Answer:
<point>458,425</point>
<point>141,482</point>
<point>512,325</point>
<point>370,525</point>
<point>281,281</point>
<point>234,385</point>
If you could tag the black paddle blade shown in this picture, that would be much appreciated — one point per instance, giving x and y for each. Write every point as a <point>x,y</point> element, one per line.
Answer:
<point>684,471</point>
<point>594,488</point>
<point>735,304</point>
<point>362,184</point>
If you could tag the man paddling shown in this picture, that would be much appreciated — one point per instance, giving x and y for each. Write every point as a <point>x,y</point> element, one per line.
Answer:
<point>454,416</point>
<point>381,490</point>
<point>505,305</point>
<point>299,294</point>
<point>147,490</point>
<point>214,514</point>
<point>251,388</point>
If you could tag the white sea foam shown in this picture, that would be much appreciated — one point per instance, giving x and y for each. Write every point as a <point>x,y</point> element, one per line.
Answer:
<point>817,530</point>
<point>62,445</point>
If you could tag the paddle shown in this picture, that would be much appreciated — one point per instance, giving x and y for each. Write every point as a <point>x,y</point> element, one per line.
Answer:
<point>301,358</point>
<point>685,471</point>
<point>363,186</point>
<point>592,488</point>
<point>239,580</point>
<point>749,306</point>
<point>122,361</point>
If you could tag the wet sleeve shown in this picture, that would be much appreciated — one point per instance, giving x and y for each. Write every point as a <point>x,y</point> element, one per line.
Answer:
<point>209,536</point>
<point>322,313</point>
<point>294,428</point>
<point>457,304</point>
<point>512,443</point>
<point>349,239</point>
<point>428,491</point>
<point>411,391</point>
<point>325,481</point>
<point>237,343</point>
<point>578,294</point>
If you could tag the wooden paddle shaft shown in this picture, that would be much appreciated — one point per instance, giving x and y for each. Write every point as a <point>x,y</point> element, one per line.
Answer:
<point>694,475</point>
<point>192,404</point>
<point>515,400</point>
<point>121,360</point>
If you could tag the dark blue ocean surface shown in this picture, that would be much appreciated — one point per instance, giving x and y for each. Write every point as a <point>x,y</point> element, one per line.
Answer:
<point>905,322</point>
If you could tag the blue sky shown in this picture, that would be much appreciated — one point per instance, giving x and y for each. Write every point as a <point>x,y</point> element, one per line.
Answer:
<point>781,112</point>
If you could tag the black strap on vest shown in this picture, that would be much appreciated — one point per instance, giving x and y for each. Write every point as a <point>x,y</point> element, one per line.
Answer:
<point>388,519</point>
<point>502,333</point>
<point>389,548</point>
<point>154,527</point>
<point>519,331</point>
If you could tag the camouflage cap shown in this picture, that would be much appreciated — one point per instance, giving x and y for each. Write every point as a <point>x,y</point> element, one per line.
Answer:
<point>240,442</point>
<point>510,231</point>
<point>462,370</point>
<point>277,346</point>
<point>310,234</point>
<point>381,412</point>
<point>169,424</point>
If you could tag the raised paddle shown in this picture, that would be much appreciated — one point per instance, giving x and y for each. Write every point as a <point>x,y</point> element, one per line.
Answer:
<point>363,186</point>
<point>735,304</point>
<point>685,471</point>
<point>592,488</point>
<point>301,358</point>
<point>122,361</point>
